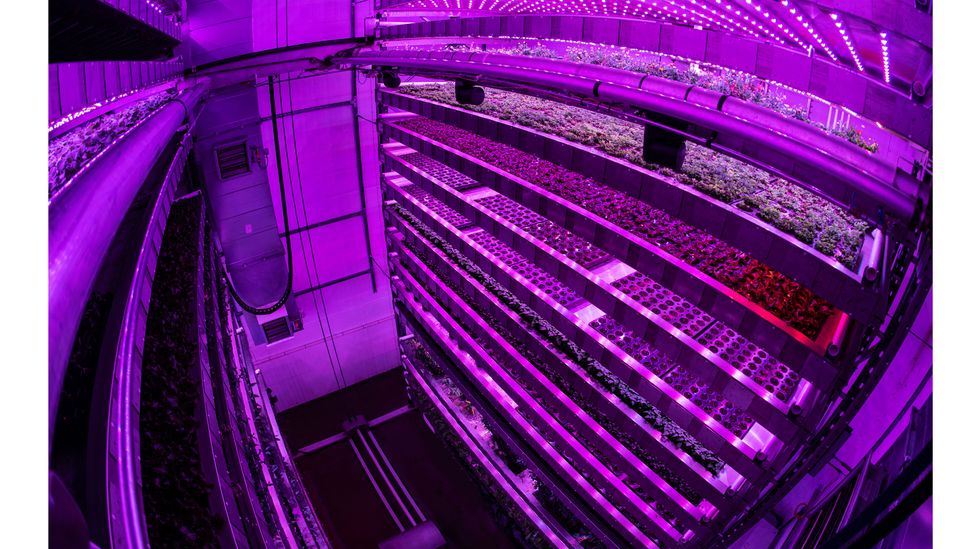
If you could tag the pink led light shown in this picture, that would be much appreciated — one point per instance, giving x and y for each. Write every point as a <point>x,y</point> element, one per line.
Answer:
<point>847,40</point>
<point>771,31</point>
<point>777,20</point>
<point>884,57</point>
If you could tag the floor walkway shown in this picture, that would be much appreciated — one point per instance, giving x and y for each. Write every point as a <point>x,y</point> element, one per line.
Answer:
<point>386,475</point>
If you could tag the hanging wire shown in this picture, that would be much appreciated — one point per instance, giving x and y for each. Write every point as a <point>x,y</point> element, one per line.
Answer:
<point>301,191</point>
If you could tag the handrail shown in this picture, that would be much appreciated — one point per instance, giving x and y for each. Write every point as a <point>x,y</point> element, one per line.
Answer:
<point>556,536</point>
<point>127,522</point>
<point>827,165</point>
<point>243,388</point>
<point>83,220</point>
<point>866,461</point>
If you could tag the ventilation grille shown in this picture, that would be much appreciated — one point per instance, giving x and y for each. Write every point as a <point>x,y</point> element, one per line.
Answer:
<point>277,329</point>
<point>232,160</point>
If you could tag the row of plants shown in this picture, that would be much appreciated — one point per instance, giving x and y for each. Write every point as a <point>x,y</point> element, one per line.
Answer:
<point>225,415</point>
<point>789,207</point>
<point>522,265</point>
<point>547,332</point>
<point>549,284</point>
<point>284,476</point>
<point>721,340</point>
<point>69,153</point>
<point>507,512</point>
<point>518,375</point>
<point>544,430</point>
<point>235,376</point>
<point>783,297</point>
<point>559,239</point>
<point>175,491</point>
<point>728,82</point>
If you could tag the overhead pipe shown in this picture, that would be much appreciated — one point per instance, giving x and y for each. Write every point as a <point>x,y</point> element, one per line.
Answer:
<point>84,218</point>
<point>832,159</point>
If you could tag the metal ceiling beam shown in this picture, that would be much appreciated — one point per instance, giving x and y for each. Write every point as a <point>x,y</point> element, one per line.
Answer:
<point>261,64</point>
<point>323,223</point>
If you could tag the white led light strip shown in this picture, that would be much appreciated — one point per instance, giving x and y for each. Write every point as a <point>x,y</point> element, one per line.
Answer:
<point>847,40</point>
<point>884,57</point>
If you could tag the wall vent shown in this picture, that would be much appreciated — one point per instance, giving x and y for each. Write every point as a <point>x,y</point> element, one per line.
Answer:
<point>277,329</point>
<point>232,160</point>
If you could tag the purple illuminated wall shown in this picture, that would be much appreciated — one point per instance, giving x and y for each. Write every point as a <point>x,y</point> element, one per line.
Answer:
<point>347,330</point>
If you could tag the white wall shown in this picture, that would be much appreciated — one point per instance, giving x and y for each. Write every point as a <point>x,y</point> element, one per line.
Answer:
<point>349,333</point>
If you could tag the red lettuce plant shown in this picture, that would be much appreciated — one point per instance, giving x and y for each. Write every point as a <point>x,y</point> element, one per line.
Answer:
<point>789,207</point>
<point>786,299</point>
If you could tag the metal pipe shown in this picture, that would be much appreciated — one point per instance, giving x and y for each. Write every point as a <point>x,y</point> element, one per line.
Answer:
<point>83,220</point>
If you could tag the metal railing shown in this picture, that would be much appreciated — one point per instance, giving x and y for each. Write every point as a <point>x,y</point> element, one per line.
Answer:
<point>127,521</point>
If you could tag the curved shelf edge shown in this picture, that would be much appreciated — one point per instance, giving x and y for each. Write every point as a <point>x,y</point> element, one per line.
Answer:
<point>127,525</point>
<point>824,276</point>
<point>796,69</point>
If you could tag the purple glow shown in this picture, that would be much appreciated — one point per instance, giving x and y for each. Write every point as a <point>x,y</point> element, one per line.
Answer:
<point>652,276</point>
<point>884,57</point>
<point>848,40</point>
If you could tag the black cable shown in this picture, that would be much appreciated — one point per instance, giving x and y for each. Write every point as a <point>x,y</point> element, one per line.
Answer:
<point>301,189</point>
<point>284,215</point>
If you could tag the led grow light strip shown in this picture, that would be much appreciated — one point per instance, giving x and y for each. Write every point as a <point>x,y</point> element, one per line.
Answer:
<point>847,40</point>
<point>809,28</point>
<point>738,25</point>
<point>884,57</point>
<point>769,14</point>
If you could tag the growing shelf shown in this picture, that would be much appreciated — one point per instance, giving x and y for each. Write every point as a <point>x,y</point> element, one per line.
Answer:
<point>511,402</point>
<point>756,399</point>
<point>625,181</point>
<point>713,435</point>
<point>123,475</point>
<point>506,326</point>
